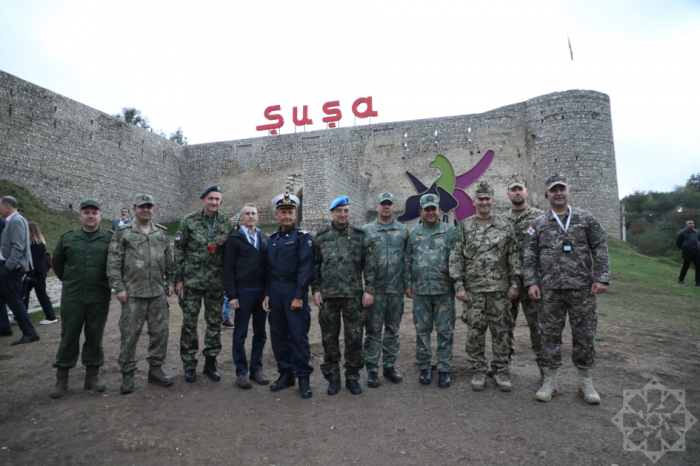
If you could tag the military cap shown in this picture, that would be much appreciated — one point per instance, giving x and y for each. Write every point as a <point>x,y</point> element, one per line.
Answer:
<point>517,180</point>
<point>429,200</point>
<point>285,201</point>
<point>142,199</point>
<point>385,197</point>
<point>208,189</point>
<point>554,180</point>
<point>339,201</point>
<point>484,190</point>
<point>90,203</point>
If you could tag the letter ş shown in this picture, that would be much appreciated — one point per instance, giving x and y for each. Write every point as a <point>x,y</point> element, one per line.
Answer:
<point>329,108</point>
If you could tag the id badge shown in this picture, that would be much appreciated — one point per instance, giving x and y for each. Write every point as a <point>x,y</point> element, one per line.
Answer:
<point>566,245</point>
<point>212,249</point>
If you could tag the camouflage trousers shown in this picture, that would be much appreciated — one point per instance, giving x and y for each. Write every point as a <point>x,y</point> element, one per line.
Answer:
<point>583,318</point>
<point>135,313</point>
<point>191,304</point>
<point>385,312</point>
<point>488,311</point>
<point>353,317</point>
<point>530,310</point>
<point>434,311</point>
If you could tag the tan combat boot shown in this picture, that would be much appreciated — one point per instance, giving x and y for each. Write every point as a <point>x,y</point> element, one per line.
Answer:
<point>91,380</point>
<point>549,387</point>
<point>503,381</point>
<point>61,382</point>
<point>478,381</point>
<point>585,389</point>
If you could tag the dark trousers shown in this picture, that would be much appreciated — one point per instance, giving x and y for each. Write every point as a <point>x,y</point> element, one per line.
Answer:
<point>250,304</point>
<point>289,330</point>
<point>75,316</point>
<point>38,284</point>
<point>12,294</point>
<point>691,256</point>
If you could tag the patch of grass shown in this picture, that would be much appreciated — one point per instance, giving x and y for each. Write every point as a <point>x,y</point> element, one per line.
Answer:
<point>649,334</point>
<point>37,317</point>
<point>599,338</point>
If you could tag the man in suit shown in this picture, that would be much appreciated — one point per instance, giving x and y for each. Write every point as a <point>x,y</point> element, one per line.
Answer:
<point>15,262</point>
<point>3,308</point>
<point>245,278</point>
<point>123,220</point>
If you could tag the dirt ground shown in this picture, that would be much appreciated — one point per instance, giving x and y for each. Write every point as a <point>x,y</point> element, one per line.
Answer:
<point>217,423</point>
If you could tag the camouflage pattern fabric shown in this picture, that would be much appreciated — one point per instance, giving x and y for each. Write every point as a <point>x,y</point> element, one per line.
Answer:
<point>195,264</point>
<point>386,312</point>
<point>340,260</point>
<point>484,259</point>
<point>386,245</point>
<point>189,340</point>
<point>353,317</point>
<point>140,263</point>
<point>434,311</point>
<point>426,269</point>
<point>521,223</point>
<point>135,312</point>
<point>492,311</point>
<point>580,304</point>
<point>546,264</point>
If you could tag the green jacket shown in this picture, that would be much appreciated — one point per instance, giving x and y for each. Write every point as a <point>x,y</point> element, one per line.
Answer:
<point>426,259</point>
<point>140,263</point>
<point>340,260</point>
<point>521,224</point>
<point>195,265</point>
<point>484,260</point>
<point>386,246</point>
<point>81,264</point>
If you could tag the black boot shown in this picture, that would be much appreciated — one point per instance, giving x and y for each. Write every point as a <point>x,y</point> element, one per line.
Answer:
<point>156,376</point>
<point>333,386</point>
<point>91,380</point>
<point>425,377</point>
<point>127,383</point>
<point>286,379</point>
<point>304,388</point>
<point>210,369</point>
<point>354,386</point>
<point>190,375</point>
<point>61,382</point>
<point>391,374</point>
<point>373,379</point>
<point>443,379</point>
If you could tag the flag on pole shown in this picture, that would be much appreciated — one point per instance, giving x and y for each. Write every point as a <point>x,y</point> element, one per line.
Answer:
<point>570,50</point>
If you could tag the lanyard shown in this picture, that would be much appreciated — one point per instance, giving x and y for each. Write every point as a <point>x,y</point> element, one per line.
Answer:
<point>212,229</point>
<point>567,220</point>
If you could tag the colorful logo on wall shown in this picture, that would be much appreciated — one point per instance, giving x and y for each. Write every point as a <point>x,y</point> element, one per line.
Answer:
<point>449,188</point>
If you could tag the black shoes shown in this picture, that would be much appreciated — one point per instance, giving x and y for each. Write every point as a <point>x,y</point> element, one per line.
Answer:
<point>190,375</point>
<point>210,369</point>
<point>6,334</point>
<point>373,379</point>
<point>61,382</point>
<point>333,386</point>
<point>425,377</point>
<point>127,383</point>
<point>286,379</point>
<point>304,388</point>
<point>443,379</point>
<point>92,382</point>
<point>156,376</point>
<point>353,385</point>
<point>393,376</point>
<point>25,339</point>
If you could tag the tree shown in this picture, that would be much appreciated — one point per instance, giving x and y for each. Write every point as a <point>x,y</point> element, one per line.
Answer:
<point>179,137</point>
<point>133,116</point>
<point>693,184</point>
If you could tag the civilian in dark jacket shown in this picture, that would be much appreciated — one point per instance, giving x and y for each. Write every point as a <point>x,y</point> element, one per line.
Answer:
<point>245,263</point>
<point>3,309</point>
<point>36,278</point>
<point>687,241</point>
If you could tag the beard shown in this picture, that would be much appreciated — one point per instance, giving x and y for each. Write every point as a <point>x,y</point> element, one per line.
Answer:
<point>518,201</point>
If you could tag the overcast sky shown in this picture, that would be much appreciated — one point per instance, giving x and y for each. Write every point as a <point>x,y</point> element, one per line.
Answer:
<point>212,67</point>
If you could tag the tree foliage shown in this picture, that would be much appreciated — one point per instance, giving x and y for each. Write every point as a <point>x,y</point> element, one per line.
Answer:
<point>179,137</point>
<point>693,183</point>
<point>133,116</point>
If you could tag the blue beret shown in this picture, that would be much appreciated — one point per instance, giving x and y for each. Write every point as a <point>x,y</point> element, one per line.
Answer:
<point>208,189</point>
<point>340,200</point>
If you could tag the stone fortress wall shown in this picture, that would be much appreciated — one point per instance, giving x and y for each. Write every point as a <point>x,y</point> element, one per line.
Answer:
<point>63,151</point>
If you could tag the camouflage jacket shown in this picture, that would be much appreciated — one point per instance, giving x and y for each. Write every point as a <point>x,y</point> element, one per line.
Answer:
<point>140,263</point>
<point>340,260</point>
<point>521,224</point>
<point>386,245</point>
<point>194,263</point>
<point>546,264</point>
<point>486,259</point>
<point>427,260</point>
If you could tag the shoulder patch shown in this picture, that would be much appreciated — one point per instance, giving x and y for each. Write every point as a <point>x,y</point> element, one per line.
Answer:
<point>178,236</point>
<point>530,231</point>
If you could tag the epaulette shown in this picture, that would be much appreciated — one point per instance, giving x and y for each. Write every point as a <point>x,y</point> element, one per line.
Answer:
<point>303,232</point>
<point>161,227</point>
<point>69,231</point>
<point>356,228</point>
<point>323,230</point>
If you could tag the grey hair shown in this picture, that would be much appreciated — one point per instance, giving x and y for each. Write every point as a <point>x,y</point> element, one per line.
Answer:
<point>9,200</point>
<point>249,205</point>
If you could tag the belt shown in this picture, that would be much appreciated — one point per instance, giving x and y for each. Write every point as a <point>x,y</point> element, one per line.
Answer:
<point>284,279</point>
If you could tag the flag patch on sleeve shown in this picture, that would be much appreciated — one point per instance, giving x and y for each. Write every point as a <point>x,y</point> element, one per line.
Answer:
<point>530,231</point>
<point>178,237</point>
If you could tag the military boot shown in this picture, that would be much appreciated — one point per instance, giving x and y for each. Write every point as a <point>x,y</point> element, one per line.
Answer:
<point>210,369</point>
<point>585,389</point>
<point>127,383</point>
<point>61,382</point>
<point>549,387</point>
<point>304,388</point>
<point>478,382</point>
<point>158,377</point>
<point>286,379</point>
<point>373,379</point>
<point>333,385</point>
<point>91,380</point>
<point>443,379</point>
<point>503,381</point>
<point>426,377</point>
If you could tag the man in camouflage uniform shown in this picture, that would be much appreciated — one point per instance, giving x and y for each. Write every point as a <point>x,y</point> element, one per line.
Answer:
<point>337,290</point>
<point>140,268</point>
<point>520,217</point>
<point>485,268</point>
<point>386,239</point>
<point>558,269</point>
<point>199,253</point>
<point>428,283</point>
<point>80,262</point>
